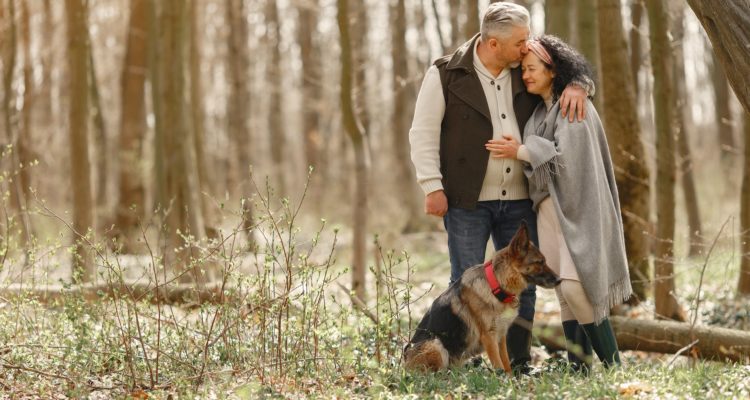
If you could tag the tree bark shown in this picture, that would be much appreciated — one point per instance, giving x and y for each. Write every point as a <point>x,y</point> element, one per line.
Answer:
<point>358,138</point>
<point>668,337</point>
<point>454,11</point>
<point>275,116</point>
<point>661,60</point>
<point>131,203</point>
<point>239,103</point>
<point>197,119</point>
<point>636,56</point>
<point>683,121</point>
<point>743,285</point>
<point>311,79</point>
<point>624,137</point>
<point>360,45</point>
<point>471,26</point>
<point>557,18</point>
<point>101,146</point>
<point>727,23</point>
<point>588,40</point>
<point>724,124</point>
<point>184,218</point>
<point>83,201</point>
<point>403,106</point>
<point>22,154</point>
<point>438,26</point>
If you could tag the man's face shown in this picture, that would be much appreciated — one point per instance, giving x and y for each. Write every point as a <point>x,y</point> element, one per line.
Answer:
<point>512,49</point>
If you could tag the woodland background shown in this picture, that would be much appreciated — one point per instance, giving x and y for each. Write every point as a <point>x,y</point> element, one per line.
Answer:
<point>155,131</point>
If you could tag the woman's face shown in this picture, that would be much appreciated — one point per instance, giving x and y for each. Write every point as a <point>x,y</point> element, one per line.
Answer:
<point>536,76</point>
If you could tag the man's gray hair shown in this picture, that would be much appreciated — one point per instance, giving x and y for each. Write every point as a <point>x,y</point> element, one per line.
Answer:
<point>500,18</point>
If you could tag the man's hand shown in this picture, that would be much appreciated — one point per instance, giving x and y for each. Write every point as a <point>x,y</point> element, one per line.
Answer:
<point>436,203</point>
<point>573,99</point>
<point>507,147</point>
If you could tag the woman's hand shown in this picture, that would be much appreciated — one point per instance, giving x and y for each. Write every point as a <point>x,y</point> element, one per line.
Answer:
<point>507,147</point>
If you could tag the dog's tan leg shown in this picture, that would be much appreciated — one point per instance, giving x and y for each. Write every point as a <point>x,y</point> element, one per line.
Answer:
<point>504,355</point>
<point>493,351</point>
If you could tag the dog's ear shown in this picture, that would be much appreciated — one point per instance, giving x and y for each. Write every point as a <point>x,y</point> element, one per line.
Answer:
<point>519,245</point>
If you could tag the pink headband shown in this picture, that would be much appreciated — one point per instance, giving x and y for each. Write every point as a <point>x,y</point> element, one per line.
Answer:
<point>537,48</point>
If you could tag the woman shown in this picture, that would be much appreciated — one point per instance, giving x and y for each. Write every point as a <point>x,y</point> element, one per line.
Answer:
<point>572,185</point>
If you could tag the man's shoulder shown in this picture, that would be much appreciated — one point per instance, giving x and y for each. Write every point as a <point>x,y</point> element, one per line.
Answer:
<point>442,61</point>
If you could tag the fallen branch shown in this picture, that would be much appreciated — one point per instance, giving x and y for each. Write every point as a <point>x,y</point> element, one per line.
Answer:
<point>667,337</point>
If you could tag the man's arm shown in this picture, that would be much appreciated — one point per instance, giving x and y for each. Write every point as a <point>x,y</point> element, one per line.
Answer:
<point>424,138</point>
<point>574,96</point>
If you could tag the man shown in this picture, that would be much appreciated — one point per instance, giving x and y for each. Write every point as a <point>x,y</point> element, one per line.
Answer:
<point>466,99</point>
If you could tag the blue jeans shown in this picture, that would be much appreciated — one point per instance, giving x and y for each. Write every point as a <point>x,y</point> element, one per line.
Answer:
<point>469,231</point>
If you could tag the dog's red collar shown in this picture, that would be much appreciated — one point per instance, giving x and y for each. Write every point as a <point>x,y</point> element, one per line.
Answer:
<point>498,291</point>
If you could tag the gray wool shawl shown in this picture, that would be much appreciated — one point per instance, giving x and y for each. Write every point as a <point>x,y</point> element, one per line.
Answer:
<point>570,162</point>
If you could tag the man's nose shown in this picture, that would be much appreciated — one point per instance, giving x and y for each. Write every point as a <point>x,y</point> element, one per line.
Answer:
<point>524,49</point>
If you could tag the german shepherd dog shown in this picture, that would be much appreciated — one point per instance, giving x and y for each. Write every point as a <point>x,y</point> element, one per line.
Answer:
<point>469,317</point>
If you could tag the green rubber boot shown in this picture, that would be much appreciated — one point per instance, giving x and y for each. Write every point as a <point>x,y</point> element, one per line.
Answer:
<point>578,346</point>
<point>604,343</point>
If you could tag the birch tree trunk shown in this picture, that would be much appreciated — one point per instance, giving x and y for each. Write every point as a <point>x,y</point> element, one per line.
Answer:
<point>661,60</point>
<point>83,201</point>
<point>22,154</point>
<point>131,203</point>
<point>624,137</point>
<point>636,50</point>
<point>358,138</point>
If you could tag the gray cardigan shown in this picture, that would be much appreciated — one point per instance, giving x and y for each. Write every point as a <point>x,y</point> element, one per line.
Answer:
<point>570,162</point>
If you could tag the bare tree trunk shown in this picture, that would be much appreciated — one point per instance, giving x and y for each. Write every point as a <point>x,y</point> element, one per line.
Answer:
<point>360,45</point>
<point>44,115</point>
<point>275,116</point>
<point>155,66</point>
<point>197,119</point>
<point>727,23</point>
<point>9,44</point>
<point>636,56</point>
<point>471,26</point>
<point>361,170</point>
<point>311,94</point>
<point>683,120</point>
<point>22,152</point>
<point>438,26</point>
<point>557,18</point>
<point>83,201</point>
<point>131,204</point>
<point>403,103</point>
<point>100,152</point>
<point>661,60</point>
<point>724,124</point>
<point>743,285</point>
<point>185,216</point>
<point>588,39</point>
<point>239,103</point>
<point>624,137</point>
<point>455,10</point>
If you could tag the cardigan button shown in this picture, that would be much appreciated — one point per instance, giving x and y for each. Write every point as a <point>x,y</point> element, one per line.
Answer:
<point>504,192</point>
<point>466,116</point>
<point>462,160</point>
<point>503,115</point>
<point>507,170</point>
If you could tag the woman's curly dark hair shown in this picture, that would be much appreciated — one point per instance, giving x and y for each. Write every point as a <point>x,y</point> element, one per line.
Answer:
<point>569,64</point>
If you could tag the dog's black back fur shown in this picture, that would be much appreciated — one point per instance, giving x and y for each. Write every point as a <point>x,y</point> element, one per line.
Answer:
<point>440,321</point>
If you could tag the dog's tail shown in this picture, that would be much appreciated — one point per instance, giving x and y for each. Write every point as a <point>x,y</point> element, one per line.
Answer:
<point>429,355</point>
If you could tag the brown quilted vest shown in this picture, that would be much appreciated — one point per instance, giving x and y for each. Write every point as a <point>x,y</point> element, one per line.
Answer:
<point>467,124</point>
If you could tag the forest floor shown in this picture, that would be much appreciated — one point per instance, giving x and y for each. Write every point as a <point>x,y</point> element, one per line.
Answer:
<point>290,331</point>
